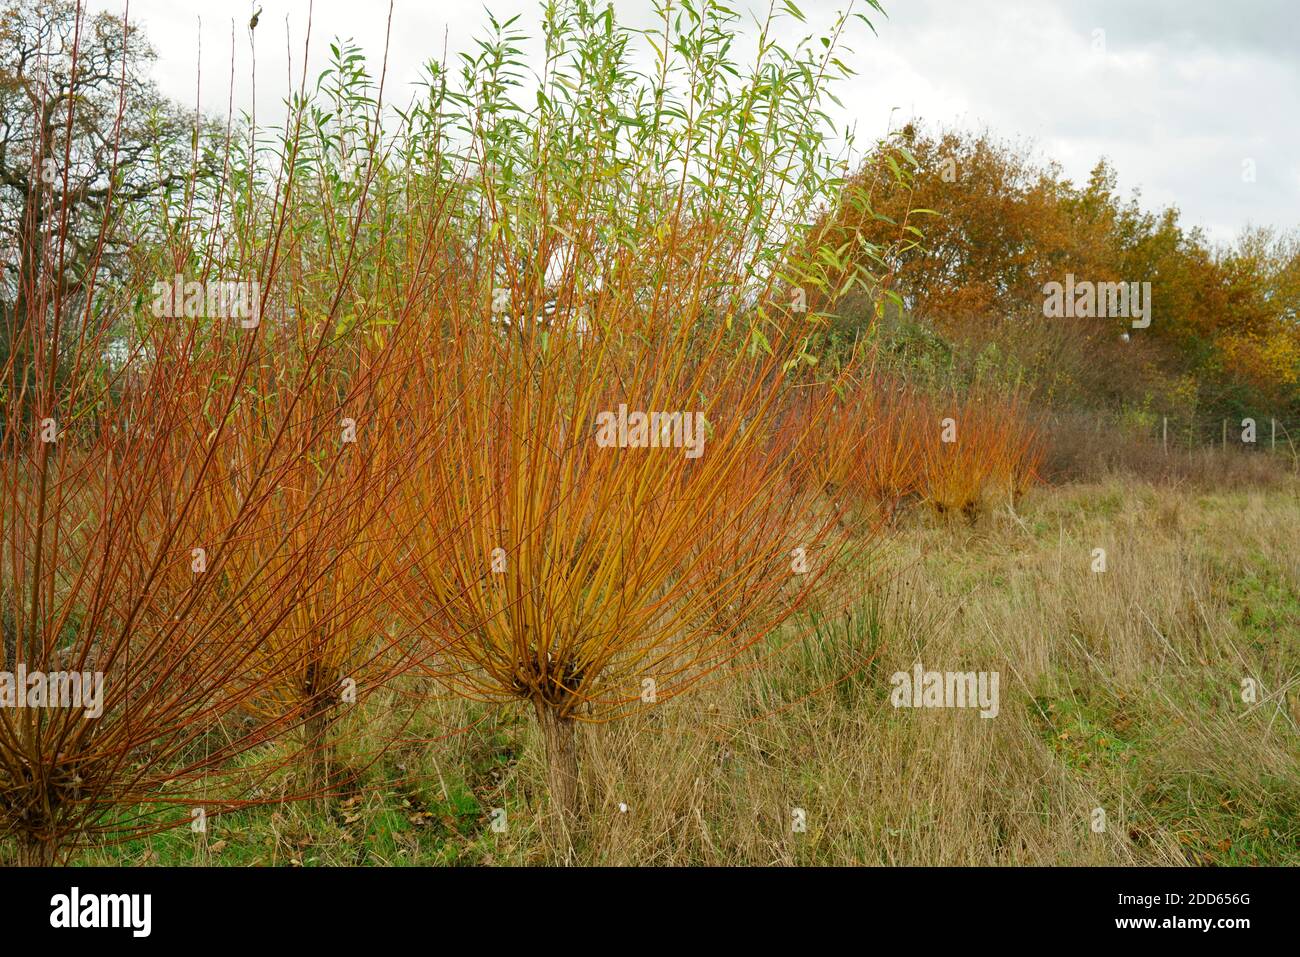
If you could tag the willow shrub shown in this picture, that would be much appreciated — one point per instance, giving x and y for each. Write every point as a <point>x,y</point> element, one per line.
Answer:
<point>618,341</point>
<point>186,516</point>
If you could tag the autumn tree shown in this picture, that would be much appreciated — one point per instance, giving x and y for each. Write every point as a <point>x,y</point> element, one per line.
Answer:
<point>998,223</point>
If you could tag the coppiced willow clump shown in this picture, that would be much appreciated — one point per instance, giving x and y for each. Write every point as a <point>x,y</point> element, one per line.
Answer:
<point>116,577</point>
<point>959,452</point>
<point>178,495</point>
<point>611,517</point>
<point>320,539</point>
<point>354,275</point>
<point>979,448</point>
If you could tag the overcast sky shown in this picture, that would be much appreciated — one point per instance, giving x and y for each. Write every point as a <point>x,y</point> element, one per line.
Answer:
<point>1179,94</point>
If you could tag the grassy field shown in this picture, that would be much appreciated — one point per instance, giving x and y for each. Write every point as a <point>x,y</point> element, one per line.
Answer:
<point>332,425</point>
<point>1119,690</point>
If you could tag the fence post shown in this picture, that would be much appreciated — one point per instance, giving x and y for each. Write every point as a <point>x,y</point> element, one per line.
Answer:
<point>1164,437</point>
<point>1225,435</point>
<point>1274,421</point>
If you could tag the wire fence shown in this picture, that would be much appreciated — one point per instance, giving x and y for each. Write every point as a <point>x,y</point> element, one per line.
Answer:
<point>1248,433</point>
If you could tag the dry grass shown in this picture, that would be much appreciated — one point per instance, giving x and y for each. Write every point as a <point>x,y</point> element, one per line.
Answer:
<point>1119,690</point>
